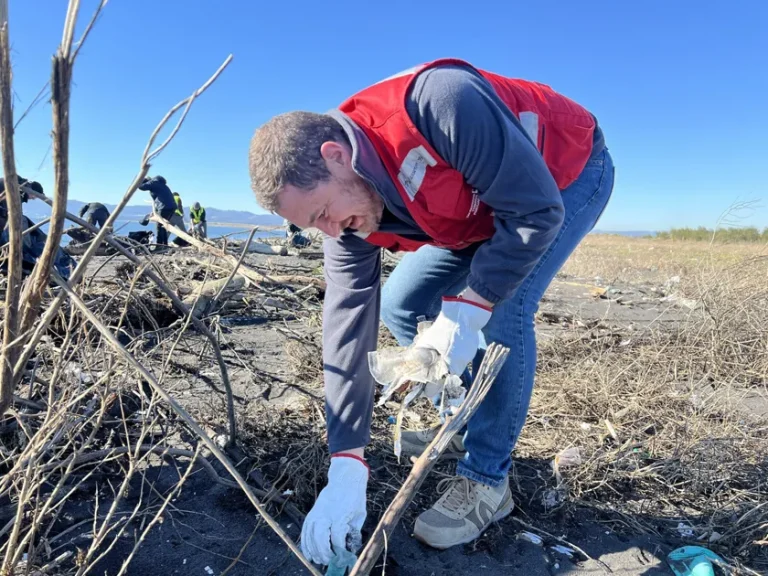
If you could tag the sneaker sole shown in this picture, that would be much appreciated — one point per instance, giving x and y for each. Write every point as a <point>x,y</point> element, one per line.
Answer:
<point>443,456</point>
<point>447,455</point>
<point>505,510</point>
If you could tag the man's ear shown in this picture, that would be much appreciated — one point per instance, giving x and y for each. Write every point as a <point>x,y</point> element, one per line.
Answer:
<point>336,155</point>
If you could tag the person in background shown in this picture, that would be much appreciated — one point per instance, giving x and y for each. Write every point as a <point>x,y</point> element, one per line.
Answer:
<point>179,204</point>
<point>294,235</point>
<point>95,213</point>
<point>164,204</point>
<point>32,243</point>
<point>23,183</point>
<point>178,215</point>
<point>199,224</point>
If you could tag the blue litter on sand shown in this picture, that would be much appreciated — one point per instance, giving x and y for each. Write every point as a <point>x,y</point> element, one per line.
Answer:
<point>694,561</point>
<point>340,563</point>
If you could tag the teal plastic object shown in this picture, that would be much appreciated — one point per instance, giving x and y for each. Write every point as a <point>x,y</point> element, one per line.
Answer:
<point>340,562</point>
<point>694,561</point>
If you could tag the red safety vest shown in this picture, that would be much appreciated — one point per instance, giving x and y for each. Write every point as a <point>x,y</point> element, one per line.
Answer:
<point>436,195</point>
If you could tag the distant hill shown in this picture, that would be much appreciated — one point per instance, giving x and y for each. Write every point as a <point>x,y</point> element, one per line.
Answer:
<point>37,210</point>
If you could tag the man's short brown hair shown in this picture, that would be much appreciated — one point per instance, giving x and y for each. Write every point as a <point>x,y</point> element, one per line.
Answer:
<point>286,150</point>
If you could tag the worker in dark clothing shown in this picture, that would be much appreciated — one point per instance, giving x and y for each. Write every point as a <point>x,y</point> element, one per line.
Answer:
<point>294,235</point>
<point>95,213</point>
<point>163,201</point>
<point>23,182</point>
<point>32,243</point>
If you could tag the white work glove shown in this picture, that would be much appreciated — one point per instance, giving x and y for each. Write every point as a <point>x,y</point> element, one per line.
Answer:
<point>339,510</point>
<point>455,334</point>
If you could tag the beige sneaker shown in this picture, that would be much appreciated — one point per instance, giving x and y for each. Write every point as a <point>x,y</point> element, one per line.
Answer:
<point>414,442</point>
<point>465,509</point>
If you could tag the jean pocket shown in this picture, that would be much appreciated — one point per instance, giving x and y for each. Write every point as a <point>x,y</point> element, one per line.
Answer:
<point>598,160</point>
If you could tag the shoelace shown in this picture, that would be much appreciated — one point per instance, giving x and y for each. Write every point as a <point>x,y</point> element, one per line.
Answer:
<point>456,491</point>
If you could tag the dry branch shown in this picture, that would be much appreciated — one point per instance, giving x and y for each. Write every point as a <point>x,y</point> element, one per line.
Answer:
<point>178,304</point>
<point>234,269</point>
<point>203,296</point>
<point>247,271</point>
<point>13,287</point>
<point>61,80</point>
<point>105,231</point>
<point>261,248</point>
<point>194,426</point>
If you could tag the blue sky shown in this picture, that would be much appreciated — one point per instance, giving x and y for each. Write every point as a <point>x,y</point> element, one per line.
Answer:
<point>679,87</point>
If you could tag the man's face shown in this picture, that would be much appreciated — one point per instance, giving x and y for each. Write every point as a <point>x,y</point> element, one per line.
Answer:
<point>343,202</point>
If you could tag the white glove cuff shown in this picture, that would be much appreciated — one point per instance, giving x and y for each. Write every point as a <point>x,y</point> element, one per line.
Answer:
<point>465,312</point>
<point>348,468</point>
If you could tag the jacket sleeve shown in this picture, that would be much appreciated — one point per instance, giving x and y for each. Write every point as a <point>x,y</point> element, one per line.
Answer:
<point>350,331</point>
<point>462,117</point>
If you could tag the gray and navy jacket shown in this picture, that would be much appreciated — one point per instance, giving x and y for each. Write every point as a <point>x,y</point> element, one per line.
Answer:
<point>467,124</point>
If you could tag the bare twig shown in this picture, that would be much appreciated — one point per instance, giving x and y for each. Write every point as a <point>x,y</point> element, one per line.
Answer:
<point>43,94</point>
<point>194,426</point>
<point>104,231</point>
<point>94,18</point>
<point>13,290</point>
<point>247,271</point>
<point>215,300</point>
<point>61,81</point>
<point>148,156</point>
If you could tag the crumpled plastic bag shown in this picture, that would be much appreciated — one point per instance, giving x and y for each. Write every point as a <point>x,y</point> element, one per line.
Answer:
<point>568,458</point>
<point>420,372</point>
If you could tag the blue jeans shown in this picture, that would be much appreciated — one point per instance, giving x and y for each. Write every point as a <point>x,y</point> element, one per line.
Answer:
<point>422,278</point>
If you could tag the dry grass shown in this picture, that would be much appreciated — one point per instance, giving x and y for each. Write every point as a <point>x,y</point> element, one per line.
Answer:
<point>672,426</point>
<point>667,423</point>
<point>87,429</point>
<point>622,259</point>
<point>684,443</point>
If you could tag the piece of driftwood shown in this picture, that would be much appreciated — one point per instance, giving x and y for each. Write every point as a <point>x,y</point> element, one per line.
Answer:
<point>261,248</point>
<point>493,360</point>
<point>211,287</point>
<point>297,279</point>
<point>231,276</point>
<point>247,271</point>
<point>200,296</point>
